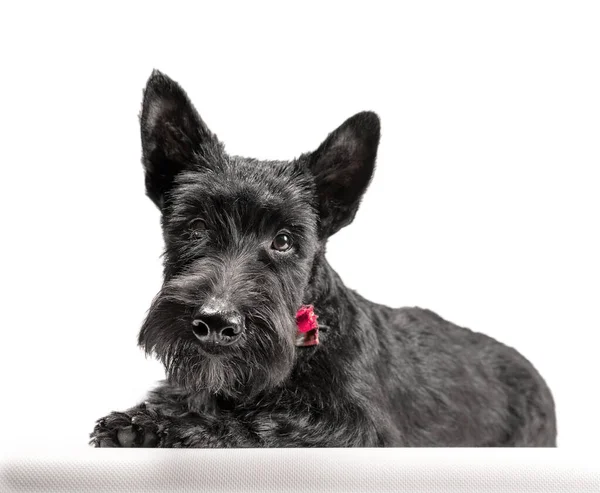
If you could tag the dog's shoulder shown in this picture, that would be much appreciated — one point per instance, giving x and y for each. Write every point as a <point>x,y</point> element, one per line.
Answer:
<point>423,327</point>
<point>421,318</point>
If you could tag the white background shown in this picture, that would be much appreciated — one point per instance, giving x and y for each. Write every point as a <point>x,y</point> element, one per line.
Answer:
<point>484,207</point>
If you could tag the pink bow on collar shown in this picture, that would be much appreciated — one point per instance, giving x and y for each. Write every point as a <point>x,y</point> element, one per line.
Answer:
<point>308,327</point>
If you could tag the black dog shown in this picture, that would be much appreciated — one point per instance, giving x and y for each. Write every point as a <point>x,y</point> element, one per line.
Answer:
<point>262,343</point>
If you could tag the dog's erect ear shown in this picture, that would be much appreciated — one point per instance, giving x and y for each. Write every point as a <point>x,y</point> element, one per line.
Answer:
<point>174,137</point>
<point>343,166</point>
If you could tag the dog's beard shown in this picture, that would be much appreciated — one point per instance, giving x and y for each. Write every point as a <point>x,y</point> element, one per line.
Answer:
<point>262,359</point>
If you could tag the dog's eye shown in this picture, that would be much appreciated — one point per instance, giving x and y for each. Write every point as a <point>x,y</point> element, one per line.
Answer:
<point>282,242</point>
<point>197,228</point>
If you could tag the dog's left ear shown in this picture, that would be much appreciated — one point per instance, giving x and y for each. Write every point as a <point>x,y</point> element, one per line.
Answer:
<point>343,166</point>
<point>174,137</point>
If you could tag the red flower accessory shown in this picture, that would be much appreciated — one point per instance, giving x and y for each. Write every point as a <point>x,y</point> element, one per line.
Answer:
<point>308,327</point>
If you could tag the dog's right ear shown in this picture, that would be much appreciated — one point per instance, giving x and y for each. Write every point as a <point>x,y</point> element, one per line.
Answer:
<point>174,137</point>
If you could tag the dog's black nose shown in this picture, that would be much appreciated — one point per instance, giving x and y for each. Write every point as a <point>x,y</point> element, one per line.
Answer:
<point>219,328</point>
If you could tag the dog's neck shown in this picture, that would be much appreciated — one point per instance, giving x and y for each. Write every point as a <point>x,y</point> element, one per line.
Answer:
<point>326,292</point>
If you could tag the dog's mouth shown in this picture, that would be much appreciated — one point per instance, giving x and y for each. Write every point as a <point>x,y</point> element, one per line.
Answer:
<point>214,349</point>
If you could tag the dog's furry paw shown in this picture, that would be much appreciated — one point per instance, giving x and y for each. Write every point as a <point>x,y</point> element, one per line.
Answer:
<point>138,427</point>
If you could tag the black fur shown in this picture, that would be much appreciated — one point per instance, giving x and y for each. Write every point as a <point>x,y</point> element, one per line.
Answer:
<point>379,377</point>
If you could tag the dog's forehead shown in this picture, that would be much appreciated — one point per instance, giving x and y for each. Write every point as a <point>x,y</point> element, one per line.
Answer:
<point>253,183</point>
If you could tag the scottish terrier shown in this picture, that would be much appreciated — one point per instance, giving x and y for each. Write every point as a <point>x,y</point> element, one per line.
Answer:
<point>262,343</point>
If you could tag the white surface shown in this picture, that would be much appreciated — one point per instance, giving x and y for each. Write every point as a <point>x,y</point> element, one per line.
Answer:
<point>484,206</point>
<point>318,470</point>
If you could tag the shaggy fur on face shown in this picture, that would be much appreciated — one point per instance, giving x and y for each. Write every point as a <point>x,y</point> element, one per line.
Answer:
<point>244,251</point>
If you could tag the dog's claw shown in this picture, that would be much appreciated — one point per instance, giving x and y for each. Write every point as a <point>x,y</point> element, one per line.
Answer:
<point>105,443</point>
<point>127,437</point>
<point>150,440</point>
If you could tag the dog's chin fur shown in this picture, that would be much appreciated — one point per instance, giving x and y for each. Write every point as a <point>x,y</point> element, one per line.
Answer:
<point>261,361</point>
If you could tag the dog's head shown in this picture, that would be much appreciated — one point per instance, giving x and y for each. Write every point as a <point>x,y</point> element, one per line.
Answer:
<point>241,239</point>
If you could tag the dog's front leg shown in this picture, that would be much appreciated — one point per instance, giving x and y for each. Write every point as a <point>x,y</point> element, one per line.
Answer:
<point>172,418</point>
